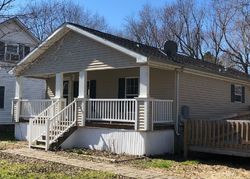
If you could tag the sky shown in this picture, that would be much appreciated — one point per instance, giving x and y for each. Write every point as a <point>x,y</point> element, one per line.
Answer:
<point>115,11</point>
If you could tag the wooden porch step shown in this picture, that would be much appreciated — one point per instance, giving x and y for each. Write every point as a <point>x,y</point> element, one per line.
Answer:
<point>38,146</point>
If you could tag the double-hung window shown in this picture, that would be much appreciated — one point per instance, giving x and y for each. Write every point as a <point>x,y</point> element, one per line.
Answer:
<point>12,52</point>
<point>237,93</point>
<point>131,85</point>
<point>128,87</point>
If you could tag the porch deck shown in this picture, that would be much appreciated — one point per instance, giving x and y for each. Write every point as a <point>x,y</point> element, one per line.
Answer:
<point>117,113</point>
<point>50,124</point>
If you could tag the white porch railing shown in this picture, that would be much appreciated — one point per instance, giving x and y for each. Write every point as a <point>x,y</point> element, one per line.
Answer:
<point>162,111</point>
<point>60,123</point>
<point>31,108</point>
<point>117,110</point>
<point>38,124</point>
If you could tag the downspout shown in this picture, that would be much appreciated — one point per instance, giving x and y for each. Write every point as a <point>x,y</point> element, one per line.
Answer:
<point>177,86</point>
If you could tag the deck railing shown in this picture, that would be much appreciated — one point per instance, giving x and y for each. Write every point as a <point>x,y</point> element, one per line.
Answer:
<point>144,114</point>
<point>60,123</point>
<point>119,110</point>
<point>217,136</point>
<point>162,111</point>
<point>38,124</point>
<point>30,108</point>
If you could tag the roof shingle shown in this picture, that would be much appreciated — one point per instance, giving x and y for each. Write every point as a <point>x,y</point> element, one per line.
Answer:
<point>156,54</point>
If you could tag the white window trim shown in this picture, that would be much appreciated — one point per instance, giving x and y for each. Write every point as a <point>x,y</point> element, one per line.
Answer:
<point>132,77</point>
<point>5,51</point>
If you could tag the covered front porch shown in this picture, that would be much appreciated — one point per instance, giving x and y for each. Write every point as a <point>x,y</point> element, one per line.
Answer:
<point>139,98</point>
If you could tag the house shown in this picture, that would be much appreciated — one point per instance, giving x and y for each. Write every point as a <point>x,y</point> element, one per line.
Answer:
<point>16,41</point>
<point>108,93</point>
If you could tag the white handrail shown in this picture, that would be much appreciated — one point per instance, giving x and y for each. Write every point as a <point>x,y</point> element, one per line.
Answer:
<point>37,125</point>
<point>60,123</point>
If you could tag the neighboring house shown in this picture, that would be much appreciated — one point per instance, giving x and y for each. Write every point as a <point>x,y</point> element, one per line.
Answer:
<point>121,95</point>
<point>16,41</point>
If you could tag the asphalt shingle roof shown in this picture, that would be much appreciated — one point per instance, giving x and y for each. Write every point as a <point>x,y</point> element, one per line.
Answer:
<point>156,54</point>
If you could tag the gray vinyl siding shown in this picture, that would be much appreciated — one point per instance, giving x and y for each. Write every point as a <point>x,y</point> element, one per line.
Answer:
<point>106,81</point>
<point>75,52</point>
<point>207,97</point>
<point>162,84</point>
<point>32,89</point>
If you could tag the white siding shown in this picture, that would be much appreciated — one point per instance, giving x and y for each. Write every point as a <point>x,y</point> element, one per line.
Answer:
<point>32,89</point>
<point>11,32</point>
<point>119,141</point>
<point>75,52</point>
<point>123,141</point>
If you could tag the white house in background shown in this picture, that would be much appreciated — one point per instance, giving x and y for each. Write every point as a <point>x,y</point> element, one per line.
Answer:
<point>16,41</point>
<point>108,93</point>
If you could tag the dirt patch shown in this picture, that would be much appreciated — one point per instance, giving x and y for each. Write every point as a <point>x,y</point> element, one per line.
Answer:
<point>97,156</point>
<point>13,144</point>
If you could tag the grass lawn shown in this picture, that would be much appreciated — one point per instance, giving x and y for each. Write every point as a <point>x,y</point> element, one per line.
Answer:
<point>17,167</point>
<point>164,163</point>
<point>26,168</point>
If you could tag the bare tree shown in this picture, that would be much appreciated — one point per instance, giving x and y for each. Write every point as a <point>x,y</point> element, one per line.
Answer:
<point>185,22</point>
<point>45,16</point>
<point>233,21</point>
<point>181,21</point>
<point>222,31</point>
<point>145,28</point>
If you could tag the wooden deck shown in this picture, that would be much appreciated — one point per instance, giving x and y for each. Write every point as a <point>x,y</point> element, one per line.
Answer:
<point>229,137</point>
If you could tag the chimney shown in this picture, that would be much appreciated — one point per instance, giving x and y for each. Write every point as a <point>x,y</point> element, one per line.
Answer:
<point>170,48</point>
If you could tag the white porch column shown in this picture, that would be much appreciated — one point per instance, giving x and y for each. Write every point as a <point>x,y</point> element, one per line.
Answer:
<point>82,94</point>
<point>144,93</point>
<point>19,88</point>
<point>144,82</point>
<point>18,97</point>
<point>82,84</point>
<point>59,85</point>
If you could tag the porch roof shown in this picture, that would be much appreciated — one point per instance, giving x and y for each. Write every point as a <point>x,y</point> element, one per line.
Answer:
<point>145,52</point>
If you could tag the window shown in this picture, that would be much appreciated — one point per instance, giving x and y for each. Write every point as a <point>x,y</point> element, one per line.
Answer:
<point>237,93</point>
<point>2,97</point>
<point>91,89</point>
<point>131,85</point>
<point>12,52</point>
<point>15,52</point>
